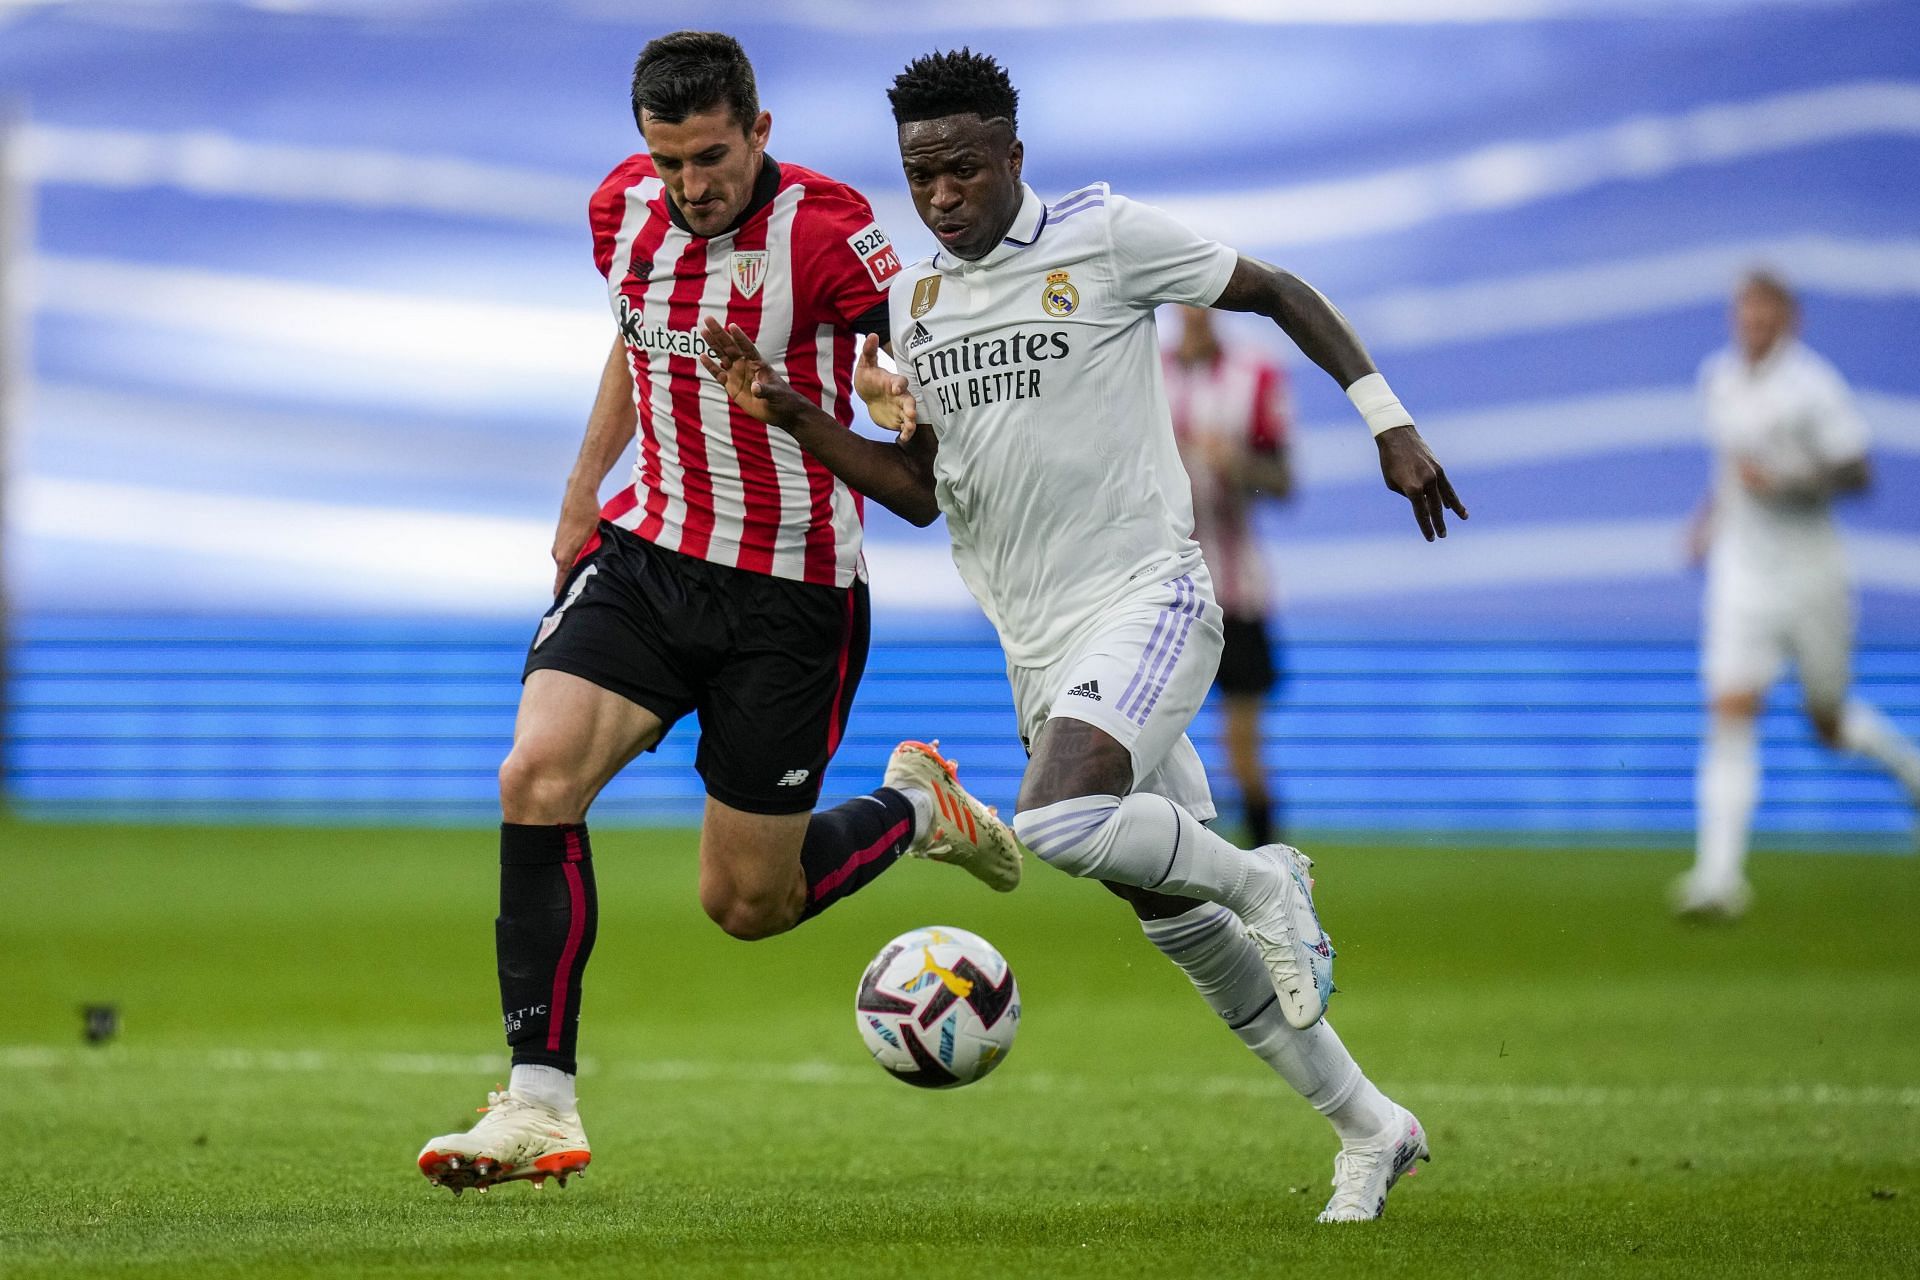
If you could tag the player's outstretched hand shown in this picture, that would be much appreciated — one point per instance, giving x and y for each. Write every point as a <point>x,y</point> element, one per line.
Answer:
<point>1411,471</point>
<point>885,394</point>
<point>750,381</point>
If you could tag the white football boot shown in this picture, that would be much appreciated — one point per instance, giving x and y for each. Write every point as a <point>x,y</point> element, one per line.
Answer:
<point>517,1140</point>
<point>1364,1172</point>
<point>1698,900</point>
<point>1287,930</point>
<point>964,832</point>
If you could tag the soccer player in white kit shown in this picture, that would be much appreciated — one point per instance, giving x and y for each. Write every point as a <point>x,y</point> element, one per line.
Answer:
<point>1028,348</point>
<point>1788,441</point>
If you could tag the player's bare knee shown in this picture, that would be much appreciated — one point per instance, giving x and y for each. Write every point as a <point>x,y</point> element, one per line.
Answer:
<point>535,789</point>
<point>749,917</point>
<point>1826,723</point>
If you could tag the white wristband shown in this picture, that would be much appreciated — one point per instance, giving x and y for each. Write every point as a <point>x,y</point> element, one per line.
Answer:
<point>1378,405</point>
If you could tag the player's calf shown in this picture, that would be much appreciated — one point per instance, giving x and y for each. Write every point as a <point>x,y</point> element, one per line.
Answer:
<point>1150,842</point>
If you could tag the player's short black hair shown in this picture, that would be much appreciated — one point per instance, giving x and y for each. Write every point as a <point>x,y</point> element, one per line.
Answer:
<point>954,83</point>
<point>1770,282</point>
<point>687,72</point>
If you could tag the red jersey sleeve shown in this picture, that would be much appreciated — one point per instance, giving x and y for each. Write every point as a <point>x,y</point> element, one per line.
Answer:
<point>1269,426</point>
<point>609,206</point>
<point>843,257</point>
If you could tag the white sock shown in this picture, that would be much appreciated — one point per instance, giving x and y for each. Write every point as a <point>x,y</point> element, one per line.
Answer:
<point>1864,731</point>
<point>922,802</point>
<point>549,1086</point>
<point>1225,967</point>
<point>1725,791</point>
<point>1150,842</point>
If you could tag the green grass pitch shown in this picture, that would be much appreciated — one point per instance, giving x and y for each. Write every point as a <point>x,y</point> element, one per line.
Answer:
<point>1607,1092</point>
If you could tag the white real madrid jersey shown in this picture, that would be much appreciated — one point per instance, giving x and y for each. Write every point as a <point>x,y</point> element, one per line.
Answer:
<point>1793,416</point>
<point>1038,368</point>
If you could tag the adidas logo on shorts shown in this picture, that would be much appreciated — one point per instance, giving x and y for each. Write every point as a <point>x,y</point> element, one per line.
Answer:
<point>1091,689</point>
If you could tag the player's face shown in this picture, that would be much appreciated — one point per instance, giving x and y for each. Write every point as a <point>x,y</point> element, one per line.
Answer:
<point>964,174</point>
<point>709,164</point>
<point>1760,320</point>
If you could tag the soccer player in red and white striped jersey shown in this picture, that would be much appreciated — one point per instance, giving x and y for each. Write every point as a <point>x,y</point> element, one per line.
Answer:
<point>804,268</point>
<point>724,580</point>
<point>1229,408</point>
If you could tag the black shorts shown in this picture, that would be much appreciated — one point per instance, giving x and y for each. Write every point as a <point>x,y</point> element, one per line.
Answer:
<point>1247,668</point>
<point>770,665</point>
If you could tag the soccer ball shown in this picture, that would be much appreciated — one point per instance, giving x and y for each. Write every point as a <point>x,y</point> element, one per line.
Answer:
<point>938,1007</point>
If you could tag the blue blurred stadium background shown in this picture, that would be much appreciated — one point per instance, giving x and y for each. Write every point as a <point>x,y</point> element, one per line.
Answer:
<point>311,326</point>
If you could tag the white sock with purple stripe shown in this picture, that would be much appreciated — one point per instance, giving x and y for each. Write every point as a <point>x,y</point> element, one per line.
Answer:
<point>1211,948</point>
<point>1150,842</point>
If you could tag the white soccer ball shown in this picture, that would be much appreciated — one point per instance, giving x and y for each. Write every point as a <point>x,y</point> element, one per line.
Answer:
<point>938,1007</point>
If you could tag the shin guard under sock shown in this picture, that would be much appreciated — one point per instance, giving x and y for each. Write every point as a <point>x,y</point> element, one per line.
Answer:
<point>848,846</point>
<point>549,913</point>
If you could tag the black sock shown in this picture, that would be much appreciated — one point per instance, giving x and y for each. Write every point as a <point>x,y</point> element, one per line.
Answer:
<point>549,913</point>
<point>847,847</point>
<point>1260,821</point>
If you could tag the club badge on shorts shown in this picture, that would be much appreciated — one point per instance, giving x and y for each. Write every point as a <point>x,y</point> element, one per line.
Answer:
<point>1058,297</point>
<point>749,270</point>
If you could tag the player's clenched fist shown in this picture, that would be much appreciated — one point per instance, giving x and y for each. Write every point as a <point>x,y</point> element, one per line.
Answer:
<point>579,516</point>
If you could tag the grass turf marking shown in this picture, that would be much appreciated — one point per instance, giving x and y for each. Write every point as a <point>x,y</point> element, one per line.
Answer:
<point>29,1057</point>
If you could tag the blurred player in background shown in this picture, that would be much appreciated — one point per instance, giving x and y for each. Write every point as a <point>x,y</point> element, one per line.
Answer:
<point>1787,441</point>
<point>1229,406</point>
<point>1029,350</point>
<point>726,580</point>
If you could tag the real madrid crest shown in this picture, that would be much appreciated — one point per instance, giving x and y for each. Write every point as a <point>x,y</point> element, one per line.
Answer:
<point>926,292</point>
<point>749,270</point>
<point>1058,297</point>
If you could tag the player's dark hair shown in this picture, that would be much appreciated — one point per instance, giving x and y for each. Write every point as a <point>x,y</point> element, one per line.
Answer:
<point>688,72</point>
<point>954,83</point>
<point>1769,282</point>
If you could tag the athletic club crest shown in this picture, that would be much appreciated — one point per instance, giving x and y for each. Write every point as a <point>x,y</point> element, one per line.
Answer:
<point>749,271</point>
<point>1058,297</point>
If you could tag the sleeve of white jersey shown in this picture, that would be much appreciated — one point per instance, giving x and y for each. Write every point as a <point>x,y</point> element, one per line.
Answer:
<point>1159,259</point>
<point>1839,430</point>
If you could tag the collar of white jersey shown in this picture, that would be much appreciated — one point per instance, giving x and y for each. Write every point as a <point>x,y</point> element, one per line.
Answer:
<point>1783,353</point>
<point>1028,222</point>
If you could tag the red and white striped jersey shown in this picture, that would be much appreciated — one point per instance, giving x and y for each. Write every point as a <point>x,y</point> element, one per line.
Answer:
<point>1240,398</point>
<point>805,263</point>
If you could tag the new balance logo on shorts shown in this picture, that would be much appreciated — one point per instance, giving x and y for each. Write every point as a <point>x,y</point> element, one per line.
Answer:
<point>794,777</point>
<point>1091,689</point>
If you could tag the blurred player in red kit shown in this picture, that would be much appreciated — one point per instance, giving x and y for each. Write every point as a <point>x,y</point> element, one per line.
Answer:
<point>1230,417</point>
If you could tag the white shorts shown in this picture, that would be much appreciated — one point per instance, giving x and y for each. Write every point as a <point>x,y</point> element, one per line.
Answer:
<point>1748,642</point>
<point>1139,673</point>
